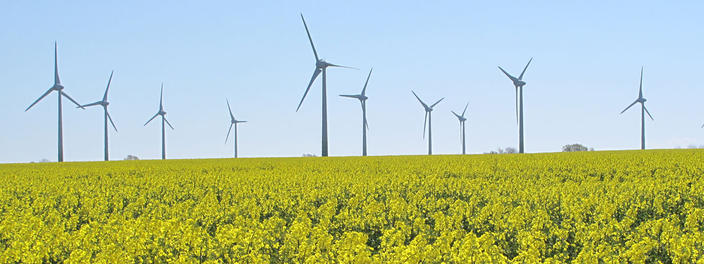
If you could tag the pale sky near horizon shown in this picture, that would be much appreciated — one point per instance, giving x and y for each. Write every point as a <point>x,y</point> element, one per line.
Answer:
<point>586,66</point>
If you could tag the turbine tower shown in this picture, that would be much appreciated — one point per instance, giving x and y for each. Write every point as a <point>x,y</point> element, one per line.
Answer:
<point>320,66</point>
<point>161,113</point>
<point>233,122</point>
<point>106,116</point>
<point>462,119</point>
<point>363,100</point>
<point>519,83</point>
<point>428,120</point>
<point>643,110</point>
<point>60,92</point>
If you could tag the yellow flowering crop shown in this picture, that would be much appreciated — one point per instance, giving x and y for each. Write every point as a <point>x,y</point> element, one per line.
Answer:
<point>593,207</point>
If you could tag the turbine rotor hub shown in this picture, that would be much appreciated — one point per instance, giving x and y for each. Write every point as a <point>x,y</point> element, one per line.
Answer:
<point>321,64</point>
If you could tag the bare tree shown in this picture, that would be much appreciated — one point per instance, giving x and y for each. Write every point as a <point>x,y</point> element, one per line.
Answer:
<point>575,147</point>
<point>131,157</point>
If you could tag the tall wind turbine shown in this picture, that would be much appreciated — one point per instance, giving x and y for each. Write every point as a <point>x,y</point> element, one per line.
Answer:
<point>320,66</point>
<point>59,91</point>
<point>106,116</point>
<point>643,110</point>
<point>161,113</point>
<point>233,122</point>
<point>462,119</point>
<point>428,120</point>
<point>519,83</point>
<point>363,100</point>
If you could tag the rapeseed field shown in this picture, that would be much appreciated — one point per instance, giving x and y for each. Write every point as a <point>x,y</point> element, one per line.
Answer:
<point>594,207</point>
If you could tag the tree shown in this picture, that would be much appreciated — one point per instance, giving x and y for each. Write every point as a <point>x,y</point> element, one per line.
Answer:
<point>131,157</point>
<point>575,147</point>
<point>508,150</point>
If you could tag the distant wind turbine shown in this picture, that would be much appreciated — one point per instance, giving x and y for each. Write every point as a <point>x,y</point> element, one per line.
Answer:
<point>363,100</point>
<point>428,120</point>
<point>59,91</point>
<point>643,110</point>
<point>161,113</point>
<point>233,122</point>
<point>519,83</point>
<point>106,116</point>
<point>462,119</point>
<point>320,66</point>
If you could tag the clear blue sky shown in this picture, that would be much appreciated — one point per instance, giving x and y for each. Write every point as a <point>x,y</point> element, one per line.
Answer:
<point>586,69</point>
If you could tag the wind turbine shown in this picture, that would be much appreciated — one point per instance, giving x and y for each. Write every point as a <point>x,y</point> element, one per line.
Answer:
<point>320,66</point>
<point>643,110</point>
<point>519,83</point>
<point>233,122</point>
<point>462,119</point>
<point>163,120</point>
<point>363,100</point>
<point>428,120</point>
<point>59,91</point>
<point>104,103</point>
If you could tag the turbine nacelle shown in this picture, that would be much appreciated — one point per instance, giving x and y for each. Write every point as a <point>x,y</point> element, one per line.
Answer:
<point>322,64</point>
<point>161,113</point>
<point>57,87</point>
<point>518,83</point>
<point>641,100</point>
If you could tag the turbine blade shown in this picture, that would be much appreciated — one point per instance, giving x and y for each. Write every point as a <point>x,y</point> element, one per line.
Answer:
<point>40,98</point>
<point>456,115</point>
<point>350,96</point>
<point>228,132</point>
<point>309,38</point>
<point>161,97</point>
<point>508,75</point>
<point>240,121</point>
<point>111,122</point>
<point>167,122</point>
<point>340,66</point>
<point>364,111</point>
<point>437,102</point>
<point>71,99</point>
<point>425,122</point>
<point>232,117</point>
<point>56,64</point>
<point>516,104</point>
<point>364,90</point>
<point>648,112</point>
<point>524,69</point>
<point>312,79</point>
<point>640,90</point>
<point>105,97</point>
<point>465,109</point>
<point>150,119</point>
<point>91,104</point>
<point>419,100</point>
<point>629,106</point>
